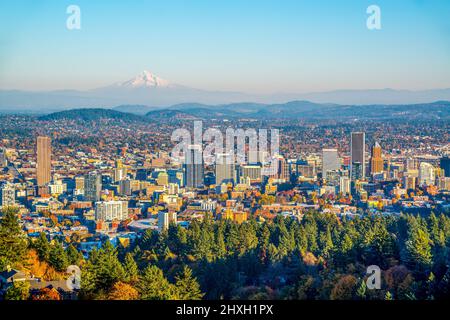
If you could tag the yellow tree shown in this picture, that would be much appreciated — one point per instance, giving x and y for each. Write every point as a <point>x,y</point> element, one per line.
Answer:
<point>123,291</point>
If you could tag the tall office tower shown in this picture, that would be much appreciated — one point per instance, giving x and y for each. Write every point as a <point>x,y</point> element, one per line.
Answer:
<point>111,210</point>
<point>193,167</point>
<point>225,168</point>
<point>44,155</point>
<point>445,165</point>
<point>7,195</point>
<point>376,162</point>
<point>426,174</point>
<point>278,168</point>
<point>357,171</point>
<point>330,161</point>
<point>283,169</point>
<point>92,186</point>
<point>357,153</point>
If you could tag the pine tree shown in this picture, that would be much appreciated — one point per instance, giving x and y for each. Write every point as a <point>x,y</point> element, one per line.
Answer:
<point>153,285</point>
<point>345,249</point>
<point>58,257</point>
<point>42,247</point>
<point>326,242</point>
<point>73,255</point>
<point>301,239</point>
<point>101,270</point>
<point>220,248</point>
<point>130,268</point>
<point>311,232</point>
<point>13,244</point>
<point>418,246</point>
<point>187,286</point>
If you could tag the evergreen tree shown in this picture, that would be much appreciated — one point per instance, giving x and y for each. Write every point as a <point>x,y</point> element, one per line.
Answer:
<point>13,244</point>
<point>102,270</point>
<point>326,242</point>
<point>153,285</point>
<point>130,268</point>
<point>58,257</point>
<point>74,257</point>
<point>187,286</point>
<point>109,268</point>
<point>418,247</point>
<point>42,247</point>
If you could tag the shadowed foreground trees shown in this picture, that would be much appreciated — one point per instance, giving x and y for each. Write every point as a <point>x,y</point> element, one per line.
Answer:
<point>320,257</point>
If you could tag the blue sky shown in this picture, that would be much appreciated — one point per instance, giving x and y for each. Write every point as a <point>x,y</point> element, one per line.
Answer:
<point>241,45</point>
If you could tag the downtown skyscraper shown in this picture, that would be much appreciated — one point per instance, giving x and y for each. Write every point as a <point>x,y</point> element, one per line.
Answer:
<point>193,167</point>
<point>225,168</point>
<point>330,161</point>
<point>92,186</point>
<point>43,164</point>
<point>376,161</point>
<point>357,154</point>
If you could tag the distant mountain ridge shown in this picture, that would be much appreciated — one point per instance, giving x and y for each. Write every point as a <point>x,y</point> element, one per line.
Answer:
<point>291,110</point>
<point>309,110</point>
<point>149,89</point>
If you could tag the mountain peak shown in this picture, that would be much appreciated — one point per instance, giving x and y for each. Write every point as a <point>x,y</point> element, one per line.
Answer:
<point>145,79</point>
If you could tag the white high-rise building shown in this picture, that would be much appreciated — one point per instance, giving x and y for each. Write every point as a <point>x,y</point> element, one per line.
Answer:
<point>330,161</point>
<point>426,174</point>
<point>111,210</point>
<point>7,196</point>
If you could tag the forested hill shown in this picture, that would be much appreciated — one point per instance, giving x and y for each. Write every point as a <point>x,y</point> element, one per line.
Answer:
<point>91,114</point>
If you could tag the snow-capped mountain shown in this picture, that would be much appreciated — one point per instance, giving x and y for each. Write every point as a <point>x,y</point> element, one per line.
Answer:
<point>146,79</point>
<point>150,90</point>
